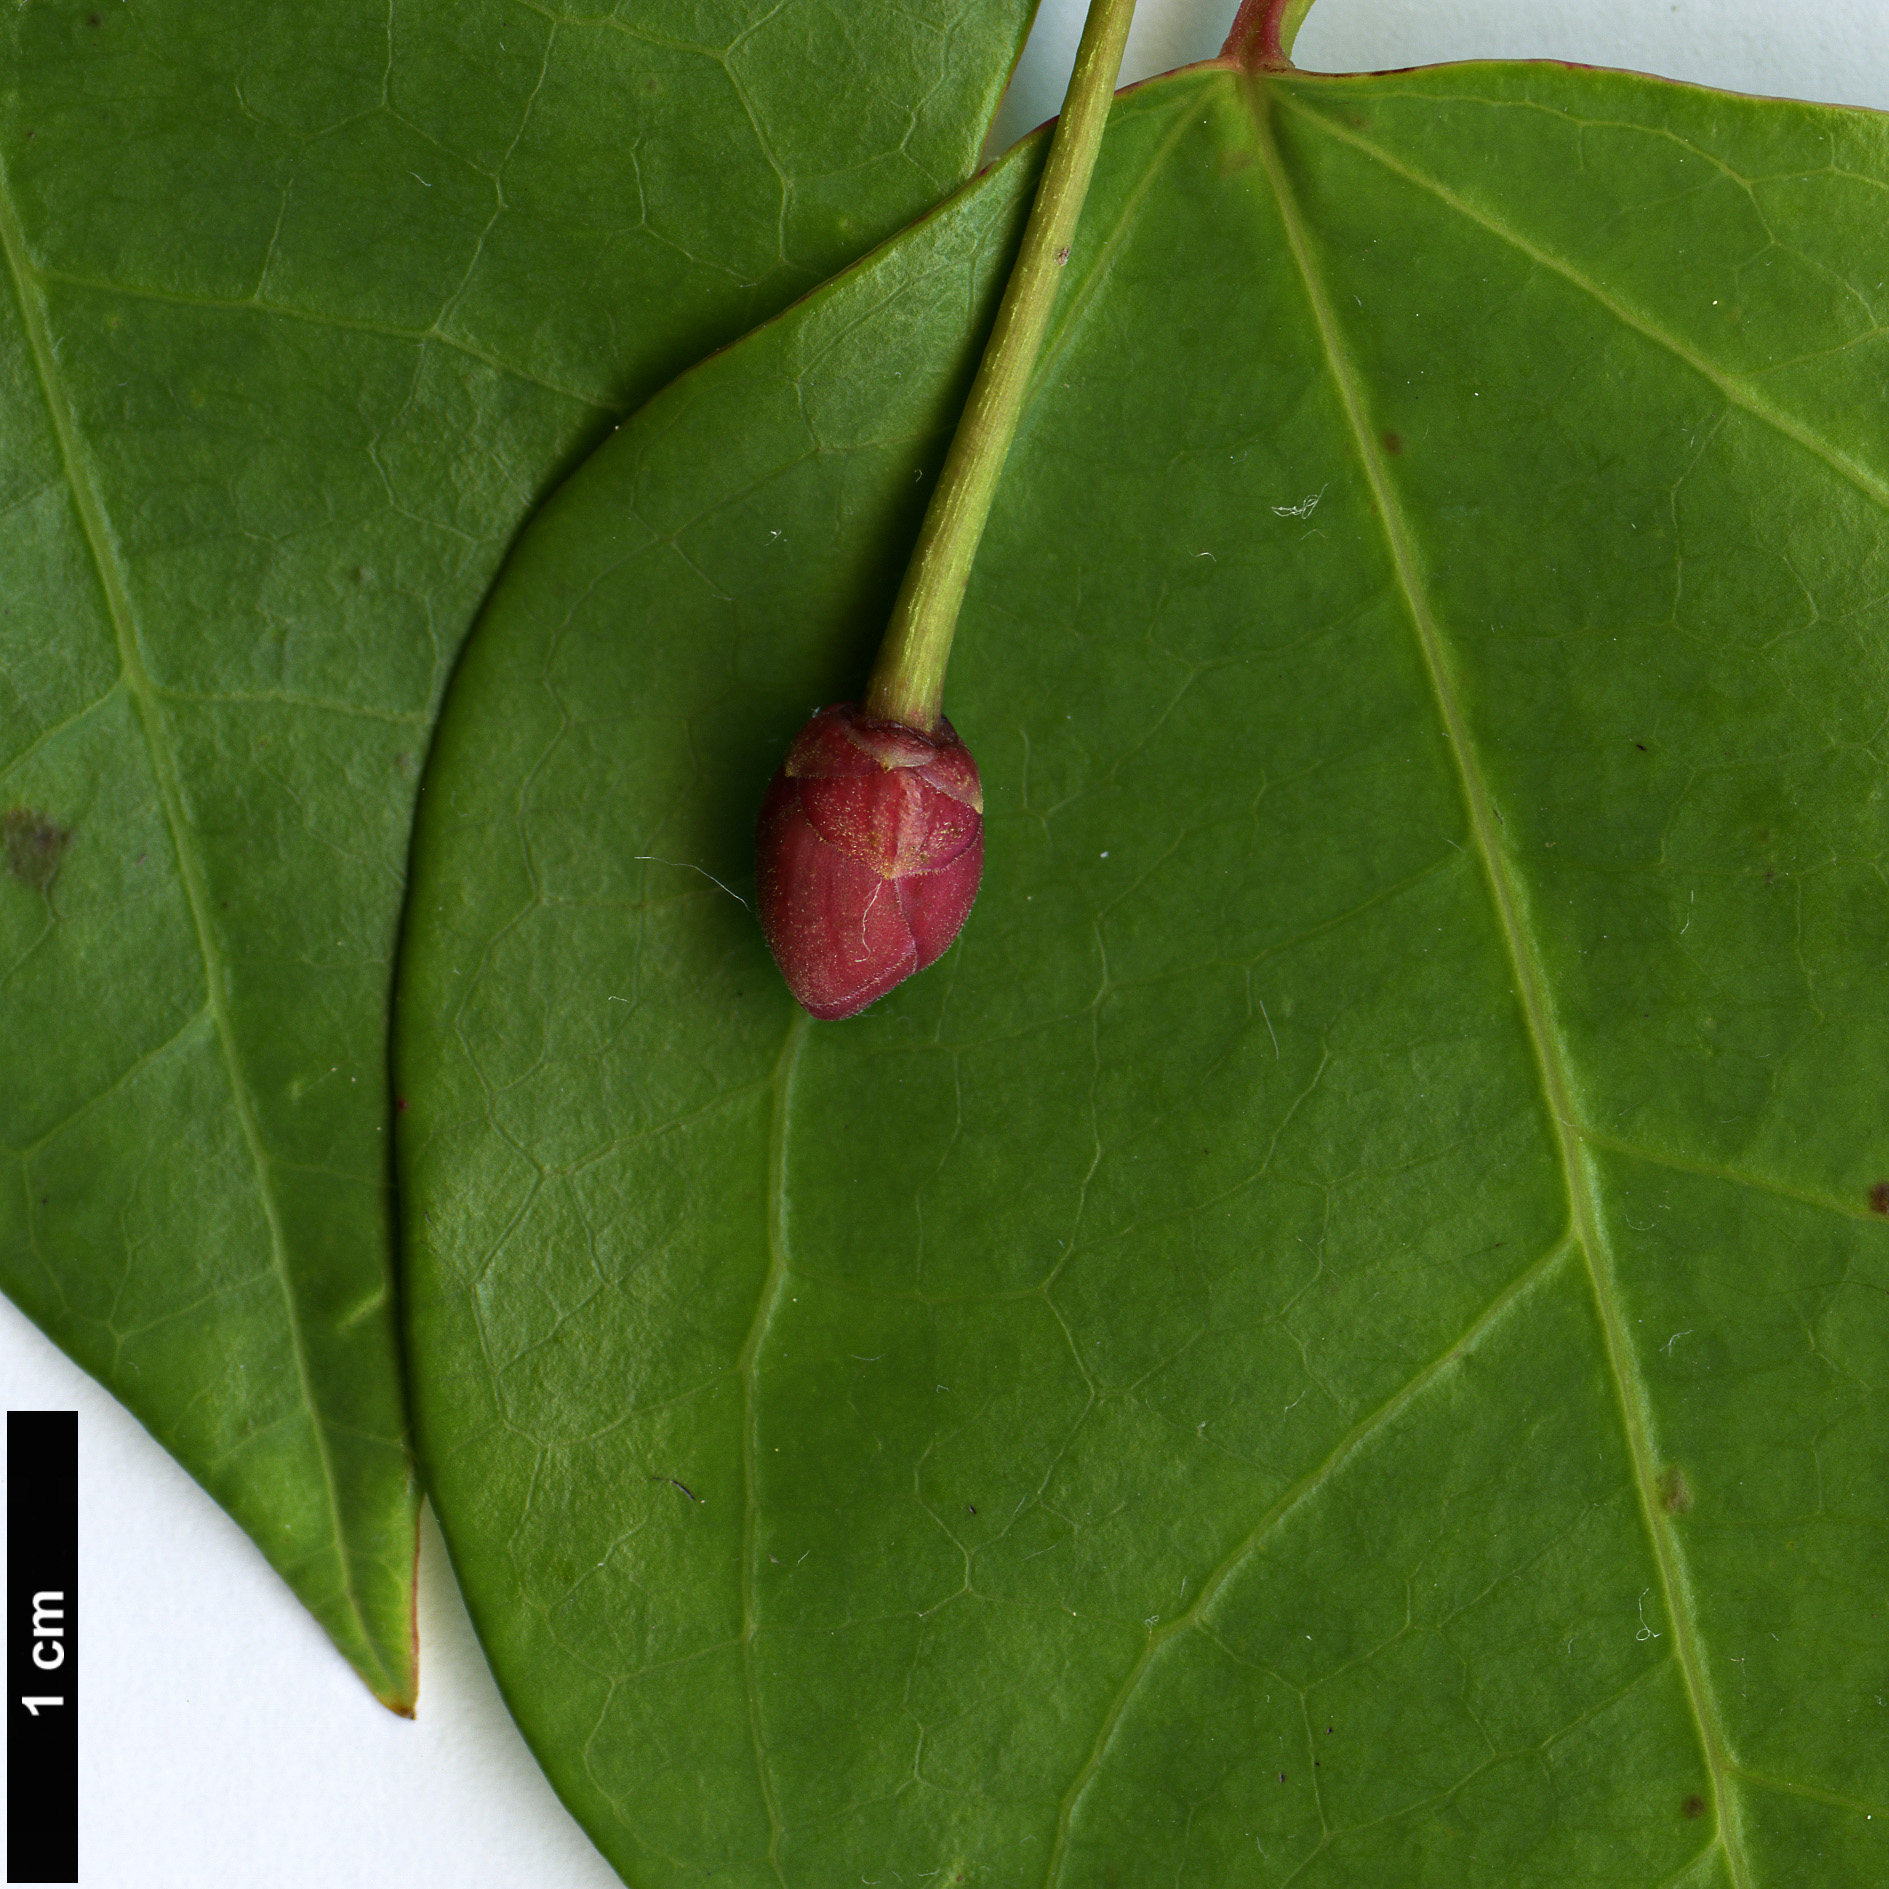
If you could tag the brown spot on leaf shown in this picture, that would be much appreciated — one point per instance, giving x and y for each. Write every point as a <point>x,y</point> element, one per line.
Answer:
<point>92,19</point>
<point>35,844</point>
<point>1675,1493</point>
<point>1694,1806</point>
<point>1393,443</point>
<point>1879,1199</point>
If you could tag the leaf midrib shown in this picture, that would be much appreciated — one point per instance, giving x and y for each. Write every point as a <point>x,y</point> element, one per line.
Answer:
<point>1531,985</point>
<point>1545,1044</point>
<point>143,694</point>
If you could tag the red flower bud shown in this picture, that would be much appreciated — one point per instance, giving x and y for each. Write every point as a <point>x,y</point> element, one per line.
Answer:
<point>868,853</point>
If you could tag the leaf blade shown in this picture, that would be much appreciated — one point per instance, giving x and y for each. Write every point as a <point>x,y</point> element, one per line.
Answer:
<point>1224,1186</point>
<point>361,287</point>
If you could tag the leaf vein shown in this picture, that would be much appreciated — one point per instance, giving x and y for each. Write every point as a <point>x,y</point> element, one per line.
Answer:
<point>747,1365</point>
<point>254,305</point>
<point>1307,1485</point>
<point>1757,1184</point>
<point>1739,393</point>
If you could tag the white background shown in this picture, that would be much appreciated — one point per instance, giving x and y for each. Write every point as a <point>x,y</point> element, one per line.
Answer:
<point>222,1740</point>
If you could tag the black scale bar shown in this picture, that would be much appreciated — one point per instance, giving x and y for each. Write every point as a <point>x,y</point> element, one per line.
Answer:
<point>42,1646</point>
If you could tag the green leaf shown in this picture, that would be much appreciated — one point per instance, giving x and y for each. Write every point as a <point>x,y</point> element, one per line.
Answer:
<point>304,310</point>
<point>1340,1335</point>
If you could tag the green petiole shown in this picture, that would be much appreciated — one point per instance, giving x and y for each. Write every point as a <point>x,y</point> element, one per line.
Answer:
<point>907,682</point>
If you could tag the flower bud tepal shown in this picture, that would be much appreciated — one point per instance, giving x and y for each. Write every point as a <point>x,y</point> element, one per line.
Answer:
<point>869,850</point>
